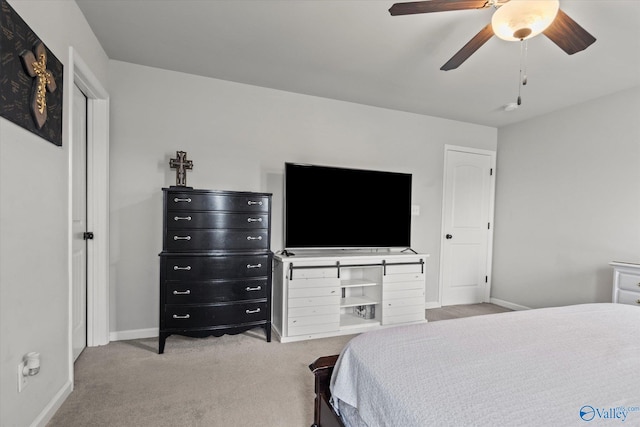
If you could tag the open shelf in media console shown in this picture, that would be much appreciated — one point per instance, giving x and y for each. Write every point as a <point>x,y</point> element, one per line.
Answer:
<point>348,320</point>
<point>358,300</point>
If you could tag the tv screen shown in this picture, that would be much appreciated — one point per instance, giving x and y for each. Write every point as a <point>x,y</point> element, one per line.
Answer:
<point>330,207</point>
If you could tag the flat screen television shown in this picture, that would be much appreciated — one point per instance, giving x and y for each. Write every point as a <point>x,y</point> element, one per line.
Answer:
<point>331,207</point>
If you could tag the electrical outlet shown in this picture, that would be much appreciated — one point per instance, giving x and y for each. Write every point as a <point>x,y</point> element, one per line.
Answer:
<point>22,379</point>
<point>415,210</point>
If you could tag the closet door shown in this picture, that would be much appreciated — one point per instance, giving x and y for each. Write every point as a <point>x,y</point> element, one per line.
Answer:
<point>467,226</point>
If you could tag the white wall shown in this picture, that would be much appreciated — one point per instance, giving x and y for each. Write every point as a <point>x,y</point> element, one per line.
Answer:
<point>34,282</point>
<point>239,138</point>
<point>567,202</point>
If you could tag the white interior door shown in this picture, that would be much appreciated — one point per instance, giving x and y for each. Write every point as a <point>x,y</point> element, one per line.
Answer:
<point>79,223</point>
<point>466,229</point>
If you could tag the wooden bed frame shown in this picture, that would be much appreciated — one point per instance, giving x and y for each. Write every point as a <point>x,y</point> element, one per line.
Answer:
<point>323,414</point>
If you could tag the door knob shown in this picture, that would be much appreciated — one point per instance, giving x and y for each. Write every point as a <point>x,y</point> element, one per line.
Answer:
<point>448,236</point>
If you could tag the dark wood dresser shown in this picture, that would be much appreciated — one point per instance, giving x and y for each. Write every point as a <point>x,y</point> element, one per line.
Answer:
<point>215,264</point>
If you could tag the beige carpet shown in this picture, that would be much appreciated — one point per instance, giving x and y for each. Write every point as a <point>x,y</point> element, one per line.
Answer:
<point>238,380</point>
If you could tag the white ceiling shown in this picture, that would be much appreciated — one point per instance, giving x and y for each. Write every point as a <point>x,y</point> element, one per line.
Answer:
<point>353,50</point>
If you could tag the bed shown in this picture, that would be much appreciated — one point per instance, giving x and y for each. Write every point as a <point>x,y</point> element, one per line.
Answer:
<point>552,366</point>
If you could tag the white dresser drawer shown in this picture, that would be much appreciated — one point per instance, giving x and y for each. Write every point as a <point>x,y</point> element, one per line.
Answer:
<point>404,277</point>
<point>310,273</point>
<point>399,286</point>
<point>313,311</point>
<point>314,301</point>
<point>412,293</point>
<point>631,298</point>
<point>314,320</point>
<point>313,329</point>
<point>313,292</point>
<point>313,283</point>
<point>403,302</point>
<point>413,316</point>
<point>629,281</point>
<point>401,269</point>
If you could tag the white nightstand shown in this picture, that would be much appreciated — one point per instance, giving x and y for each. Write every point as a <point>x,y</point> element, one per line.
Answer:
<point>626,283</point>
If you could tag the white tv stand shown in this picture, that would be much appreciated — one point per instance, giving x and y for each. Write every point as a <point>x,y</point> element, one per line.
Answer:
<point>317,295</point>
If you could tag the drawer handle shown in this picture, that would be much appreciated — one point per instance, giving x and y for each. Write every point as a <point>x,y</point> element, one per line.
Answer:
<point>254,219</point>
<point>249,288</point>
<point>175,268</point>
<point>254,265</point>
<point>177,199</point>
<point>187,292</point>
<point>181,237</point>
<point>177,316</point>
<point>254,238</point>
<point>182,218</point>
<point>257,310</point>
<point>251,203</point>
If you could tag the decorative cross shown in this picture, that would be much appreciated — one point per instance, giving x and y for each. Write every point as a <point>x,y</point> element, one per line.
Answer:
<point>35,66</point>
<point>181,164</point>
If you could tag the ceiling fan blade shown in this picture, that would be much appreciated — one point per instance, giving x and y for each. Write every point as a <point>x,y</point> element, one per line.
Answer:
<point>469,49</point>
<point>428,6</point>
<point>568,35</point>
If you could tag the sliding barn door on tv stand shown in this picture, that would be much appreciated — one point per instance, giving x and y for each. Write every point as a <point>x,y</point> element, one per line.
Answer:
<point>323,295</point>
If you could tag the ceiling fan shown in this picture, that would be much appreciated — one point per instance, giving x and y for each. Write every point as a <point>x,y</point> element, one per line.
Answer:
<point>514,20</point>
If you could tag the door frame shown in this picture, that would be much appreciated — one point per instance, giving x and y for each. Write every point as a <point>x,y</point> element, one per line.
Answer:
<point>81,75</point>
<point>492,193</point>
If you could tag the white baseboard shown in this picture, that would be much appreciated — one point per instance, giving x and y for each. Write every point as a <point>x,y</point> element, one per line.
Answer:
<point>432,304</point>
<point>510,305</point>
<point>52,407</point>
<point>133,334</point>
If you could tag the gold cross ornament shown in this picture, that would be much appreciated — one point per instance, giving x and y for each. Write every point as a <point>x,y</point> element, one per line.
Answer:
<point>35,64</point>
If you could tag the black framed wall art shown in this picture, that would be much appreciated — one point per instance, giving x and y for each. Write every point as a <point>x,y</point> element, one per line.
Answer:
<point>30,78</point>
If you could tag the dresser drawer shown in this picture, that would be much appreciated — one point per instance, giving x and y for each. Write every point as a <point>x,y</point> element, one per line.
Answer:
<point>631,298</point>
<point>204,240</point>
<point>179,220</point>
<point>193,316</point>
<point>189,268</point>
<point>190,201</point>
<point>629,281</point>
<point>216,291</point>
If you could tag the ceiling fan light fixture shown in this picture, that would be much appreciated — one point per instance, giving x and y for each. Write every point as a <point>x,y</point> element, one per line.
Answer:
<point>522,19</point>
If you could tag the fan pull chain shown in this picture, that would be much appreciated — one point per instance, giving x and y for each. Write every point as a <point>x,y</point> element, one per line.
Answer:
<point>522,78</point>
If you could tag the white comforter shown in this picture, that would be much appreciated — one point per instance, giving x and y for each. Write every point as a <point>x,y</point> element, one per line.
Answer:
<point>576,365</point>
